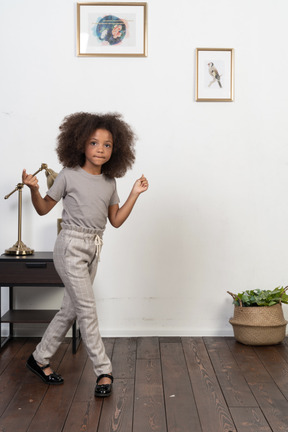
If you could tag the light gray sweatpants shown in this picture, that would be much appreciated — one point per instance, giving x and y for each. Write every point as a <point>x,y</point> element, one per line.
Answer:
<point>76,255</point>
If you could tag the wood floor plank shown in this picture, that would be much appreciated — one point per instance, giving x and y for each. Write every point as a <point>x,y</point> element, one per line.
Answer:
<point>55,406</point>
<point>275,365</point>
<point>84,416</point>
<point>273,405</point>
<point>249,420</point>
<point>233,384</point>
<point>117,411</point>
<point>213,411</point>
<point>124,358</point>
<point>12,376</point>
<point>249,363</point>
<point>86,386</point>
<point>161,385</point>
<point>181,409</point>
<point>85,410</point>
<point>148,348</point>
<point>149,411</point>
<point>28,397</point>
<point>170,339</point>
<point>9,351</point>
<point>282,348</point>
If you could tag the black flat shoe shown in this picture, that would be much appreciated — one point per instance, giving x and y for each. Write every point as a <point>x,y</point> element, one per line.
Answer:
<point>103,390</point>
<point>53,378</point>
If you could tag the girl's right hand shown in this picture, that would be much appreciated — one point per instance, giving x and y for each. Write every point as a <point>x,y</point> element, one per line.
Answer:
<point>30,180</point>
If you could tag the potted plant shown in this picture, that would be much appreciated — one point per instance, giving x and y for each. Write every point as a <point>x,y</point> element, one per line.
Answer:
<point>258,316</point>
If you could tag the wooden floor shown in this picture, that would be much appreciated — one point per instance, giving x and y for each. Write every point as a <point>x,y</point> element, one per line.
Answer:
<point>161,385</point>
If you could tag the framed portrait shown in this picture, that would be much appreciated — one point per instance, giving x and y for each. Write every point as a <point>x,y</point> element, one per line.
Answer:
<point>112,29</point>
<point>214,74</point>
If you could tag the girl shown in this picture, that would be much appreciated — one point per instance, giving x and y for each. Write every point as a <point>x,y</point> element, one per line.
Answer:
<point>94,149</point>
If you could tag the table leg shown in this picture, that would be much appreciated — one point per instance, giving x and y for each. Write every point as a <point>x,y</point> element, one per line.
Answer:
<point>75,345</point>
<point>7,338</point>
<point>11,307</point>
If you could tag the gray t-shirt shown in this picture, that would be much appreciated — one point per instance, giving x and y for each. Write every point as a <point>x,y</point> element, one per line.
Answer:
<point>86,197</point>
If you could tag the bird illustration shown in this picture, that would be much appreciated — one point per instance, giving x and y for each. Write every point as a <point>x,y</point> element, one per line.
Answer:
<point>214,73</point>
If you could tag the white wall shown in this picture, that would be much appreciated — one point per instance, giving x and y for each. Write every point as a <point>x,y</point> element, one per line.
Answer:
<point>215,216</point>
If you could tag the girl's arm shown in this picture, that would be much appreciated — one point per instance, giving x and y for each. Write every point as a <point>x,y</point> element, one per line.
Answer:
<point>116,215</point>
<point>42,205</point>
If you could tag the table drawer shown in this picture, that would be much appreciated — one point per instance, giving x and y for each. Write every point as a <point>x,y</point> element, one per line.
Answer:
<point>26,273</point>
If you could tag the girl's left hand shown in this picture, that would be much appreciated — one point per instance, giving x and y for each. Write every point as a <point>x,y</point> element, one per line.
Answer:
<point>141,185</point>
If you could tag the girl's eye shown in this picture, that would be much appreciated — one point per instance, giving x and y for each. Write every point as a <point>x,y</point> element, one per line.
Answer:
<point>93,143</point>
<point>107,145</point>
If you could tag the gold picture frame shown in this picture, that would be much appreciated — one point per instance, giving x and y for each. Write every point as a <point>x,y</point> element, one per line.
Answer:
<point>214,74</point>
<point>112,29</point>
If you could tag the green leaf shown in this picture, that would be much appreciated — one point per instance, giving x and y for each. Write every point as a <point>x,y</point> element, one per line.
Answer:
<point>259,297</point>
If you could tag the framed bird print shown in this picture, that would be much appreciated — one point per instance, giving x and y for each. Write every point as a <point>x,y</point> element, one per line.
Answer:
<point>112,29</point>
<point>214,74</point>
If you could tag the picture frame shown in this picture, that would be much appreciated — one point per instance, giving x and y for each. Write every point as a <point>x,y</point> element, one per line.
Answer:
<point>112,29</point>
<point>214,74</point>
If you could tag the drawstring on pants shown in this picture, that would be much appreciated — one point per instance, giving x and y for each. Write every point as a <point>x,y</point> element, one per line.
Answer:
<point>90,234</point>
<point>99,243</point>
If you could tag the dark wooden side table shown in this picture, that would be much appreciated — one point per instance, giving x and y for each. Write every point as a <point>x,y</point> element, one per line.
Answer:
<point>34,271</point>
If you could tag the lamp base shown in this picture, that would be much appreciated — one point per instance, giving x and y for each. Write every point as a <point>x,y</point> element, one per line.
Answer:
<point>19,248</point>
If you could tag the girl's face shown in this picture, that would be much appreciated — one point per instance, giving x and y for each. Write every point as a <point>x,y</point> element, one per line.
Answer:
<point>98,150</point>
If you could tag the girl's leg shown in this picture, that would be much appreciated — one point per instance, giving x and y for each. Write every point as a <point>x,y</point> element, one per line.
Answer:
<point>76,264</point>
<point>55,332</point>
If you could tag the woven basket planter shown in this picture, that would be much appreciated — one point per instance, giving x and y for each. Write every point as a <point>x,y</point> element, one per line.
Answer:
<point>259,325</point>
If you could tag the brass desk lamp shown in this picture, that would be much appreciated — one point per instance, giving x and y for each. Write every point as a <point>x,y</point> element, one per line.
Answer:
<point>19,248</point>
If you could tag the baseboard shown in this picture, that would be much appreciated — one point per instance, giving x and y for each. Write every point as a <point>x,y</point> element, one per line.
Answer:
<point>37,330</point>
